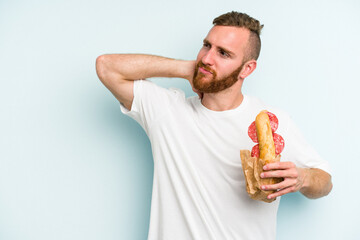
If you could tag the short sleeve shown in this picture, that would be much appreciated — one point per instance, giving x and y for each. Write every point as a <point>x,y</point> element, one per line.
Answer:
<point>299,151</point>
<point>150,102</point>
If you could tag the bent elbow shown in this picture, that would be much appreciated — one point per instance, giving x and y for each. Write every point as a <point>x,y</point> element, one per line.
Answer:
<point>330,187</point>
<point>100,66</point>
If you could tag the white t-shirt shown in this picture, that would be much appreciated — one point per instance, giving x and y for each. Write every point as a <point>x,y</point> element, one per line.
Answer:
<point>199,190</point>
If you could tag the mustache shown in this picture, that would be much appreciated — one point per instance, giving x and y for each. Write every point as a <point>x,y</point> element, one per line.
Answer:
<point>202,65</point>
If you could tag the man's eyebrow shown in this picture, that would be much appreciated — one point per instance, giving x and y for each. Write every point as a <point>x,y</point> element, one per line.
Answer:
<point>221,48</point>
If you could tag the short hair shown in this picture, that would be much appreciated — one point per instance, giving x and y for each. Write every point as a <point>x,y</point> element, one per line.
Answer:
<point>243,20</point>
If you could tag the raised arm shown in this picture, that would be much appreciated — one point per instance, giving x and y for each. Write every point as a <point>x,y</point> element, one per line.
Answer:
<point>118,71</point>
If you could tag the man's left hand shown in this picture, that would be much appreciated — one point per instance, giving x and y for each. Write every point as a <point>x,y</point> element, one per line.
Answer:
<point>294,178</point>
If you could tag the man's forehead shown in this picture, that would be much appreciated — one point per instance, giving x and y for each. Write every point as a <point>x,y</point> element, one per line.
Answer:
<point>228,37</point>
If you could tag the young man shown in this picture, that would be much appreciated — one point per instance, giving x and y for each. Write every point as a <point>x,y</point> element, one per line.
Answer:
<point>199,189</point>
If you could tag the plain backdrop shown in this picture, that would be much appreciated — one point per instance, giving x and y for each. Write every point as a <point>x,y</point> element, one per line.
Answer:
<point>73,167</point>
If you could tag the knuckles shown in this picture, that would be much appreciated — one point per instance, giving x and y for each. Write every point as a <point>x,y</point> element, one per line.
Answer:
<point>292,165</point>
<point>294,174</point>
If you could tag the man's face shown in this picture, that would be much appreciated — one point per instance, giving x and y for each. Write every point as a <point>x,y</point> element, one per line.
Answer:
<point>220,60</point>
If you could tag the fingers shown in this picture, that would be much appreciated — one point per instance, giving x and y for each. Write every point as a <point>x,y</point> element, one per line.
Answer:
<point>279,165</point>
<point>288,182</point>
<point>288,173</point>
<point>286,170</point>
<point>282,188</point>
<point>281,192</point>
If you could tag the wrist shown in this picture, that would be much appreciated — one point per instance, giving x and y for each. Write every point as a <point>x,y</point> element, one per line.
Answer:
<point>306,175</point>
<point>188,68</point>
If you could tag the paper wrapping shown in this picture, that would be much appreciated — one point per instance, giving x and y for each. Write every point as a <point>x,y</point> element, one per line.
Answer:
<point>252,168</point>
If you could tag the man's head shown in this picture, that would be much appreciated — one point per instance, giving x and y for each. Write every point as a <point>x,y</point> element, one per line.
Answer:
<point>229,52</point>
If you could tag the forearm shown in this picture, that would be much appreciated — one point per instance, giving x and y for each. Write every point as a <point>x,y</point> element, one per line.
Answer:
<point>140,66</point>
<point>317,183</point>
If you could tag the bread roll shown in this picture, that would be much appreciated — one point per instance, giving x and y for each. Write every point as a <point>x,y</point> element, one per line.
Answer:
<point>266,145</point>
<point>265,137</point>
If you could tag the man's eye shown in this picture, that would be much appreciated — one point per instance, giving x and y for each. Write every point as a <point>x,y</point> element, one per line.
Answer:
<point>223,53</point>
<point>206,45</point>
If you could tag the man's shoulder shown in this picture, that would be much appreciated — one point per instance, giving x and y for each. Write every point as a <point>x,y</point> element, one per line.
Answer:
<point>256,105</point>
<point>156,90</point>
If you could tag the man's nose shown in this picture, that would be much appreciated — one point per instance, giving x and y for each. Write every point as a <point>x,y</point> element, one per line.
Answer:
<point>208,58</point>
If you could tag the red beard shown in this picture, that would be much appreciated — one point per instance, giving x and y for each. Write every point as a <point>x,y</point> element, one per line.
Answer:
<point>205,85</point>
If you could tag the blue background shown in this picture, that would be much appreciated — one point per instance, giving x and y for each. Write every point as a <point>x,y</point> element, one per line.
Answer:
<point>73,167</point>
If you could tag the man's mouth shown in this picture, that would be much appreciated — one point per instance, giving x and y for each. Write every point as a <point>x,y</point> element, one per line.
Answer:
<point>203,70</point>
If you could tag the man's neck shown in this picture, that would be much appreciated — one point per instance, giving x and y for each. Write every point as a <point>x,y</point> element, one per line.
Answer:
<point>222,101</point>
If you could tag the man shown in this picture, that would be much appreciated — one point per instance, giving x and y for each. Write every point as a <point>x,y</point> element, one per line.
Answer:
<point>199,189</point>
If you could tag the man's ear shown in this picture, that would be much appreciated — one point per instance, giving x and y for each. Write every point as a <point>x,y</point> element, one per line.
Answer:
<point>247,69</point>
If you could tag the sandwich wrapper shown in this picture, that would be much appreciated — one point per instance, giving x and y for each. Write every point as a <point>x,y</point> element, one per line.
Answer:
<point>252,168</point>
